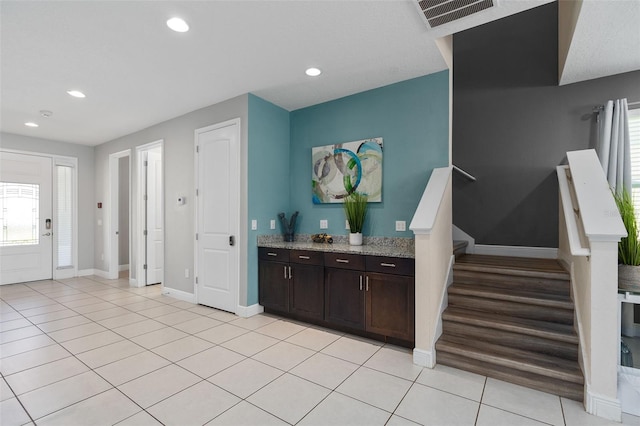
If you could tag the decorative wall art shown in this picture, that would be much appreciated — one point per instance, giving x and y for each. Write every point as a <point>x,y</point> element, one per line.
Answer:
<point>340,169</point>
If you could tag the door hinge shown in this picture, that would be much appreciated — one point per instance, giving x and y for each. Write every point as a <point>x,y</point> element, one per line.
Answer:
<point>146,163</point>
<point>197,149</point>
<point>144,232</point>
<point>145,197</point>
<point>197,192</point>
<point>196,236</point>
<point>144,266</point>
<point>196,280</point>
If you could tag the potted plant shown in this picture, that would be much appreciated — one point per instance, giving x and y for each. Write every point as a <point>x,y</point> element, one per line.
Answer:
<point>628,247</point>
<point>355,208</point>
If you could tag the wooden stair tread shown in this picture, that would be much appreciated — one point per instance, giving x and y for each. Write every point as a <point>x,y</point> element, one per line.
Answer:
<point>514,295</point>
<point>519,266</point>
<point>543,365</point>
<point>545,384</point>
<point>549,330</point>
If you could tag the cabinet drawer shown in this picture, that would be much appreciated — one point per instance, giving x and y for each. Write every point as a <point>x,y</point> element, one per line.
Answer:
<point>273,254</point>
<point>306,257</point>
<point>344,261</point>
<point>391,265</point>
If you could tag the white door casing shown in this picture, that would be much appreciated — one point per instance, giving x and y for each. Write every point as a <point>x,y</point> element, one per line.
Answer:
<point>155,221</point>
<point>112,225</point>
<point>32,259</point>
<point>218,215</point>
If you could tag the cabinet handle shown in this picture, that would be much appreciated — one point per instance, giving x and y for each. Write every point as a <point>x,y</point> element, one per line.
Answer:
<point>342,261</point>
<point>360,282</point>
<point>285,272</point>
<point>367,282</point>
<point>390,265</point>
<point>290,275</point>
<point>304,257</point>
<point>271,254</point>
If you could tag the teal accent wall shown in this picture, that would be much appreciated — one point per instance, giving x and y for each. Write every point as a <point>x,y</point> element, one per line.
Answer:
<point>268,174</point>
<point>413,119</point>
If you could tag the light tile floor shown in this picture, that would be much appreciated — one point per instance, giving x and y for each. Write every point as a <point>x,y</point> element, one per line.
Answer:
<point>89,351</point>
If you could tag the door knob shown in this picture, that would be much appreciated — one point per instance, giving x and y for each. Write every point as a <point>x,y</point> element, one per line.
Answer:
<point>48,234</point>
<point>231,240</point>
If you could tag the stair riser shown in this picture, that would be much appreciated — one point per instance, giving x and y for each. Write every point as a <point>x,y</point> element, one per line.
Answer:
<point>560,287</point>
<point>520,310</point>
<point>565,389</point>
<point>537,298</point>
<point>513,340</point>
<point>512,270</point>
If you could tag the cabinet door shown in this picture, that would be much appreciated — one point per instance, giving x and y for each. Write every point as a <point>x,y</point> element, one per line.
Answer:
<point>390,303</point>
<point>344,297</point>
<point>273,285</point>
<point>307,291</point>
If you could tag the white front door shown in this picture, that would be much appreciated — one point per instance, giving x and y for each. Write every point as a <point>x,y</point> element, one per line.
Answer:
<point>218,189</point>
<point>26,227</point>
<point>155,221</point>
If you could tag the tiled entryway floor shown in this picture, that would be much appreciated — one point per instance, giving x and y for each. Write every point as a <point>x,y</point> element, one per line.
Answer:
<point>89,351</point>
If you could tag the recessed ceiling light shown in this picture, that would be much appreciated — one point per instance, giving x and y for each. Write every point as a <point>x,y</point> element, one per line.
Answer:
<point>31,124</point>
<point>178,25</point>
<point>76,93</point>
<point>313,72</point>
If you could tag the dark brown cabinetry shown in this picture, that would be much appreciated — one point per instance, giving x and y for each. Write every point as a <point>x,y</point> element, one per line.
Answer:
<point>371,295</point>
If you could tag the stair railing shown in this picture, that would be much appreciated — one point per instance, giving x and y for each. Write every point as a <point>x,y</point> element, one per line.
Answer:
<point>432,226</point>
<point>589,231</point>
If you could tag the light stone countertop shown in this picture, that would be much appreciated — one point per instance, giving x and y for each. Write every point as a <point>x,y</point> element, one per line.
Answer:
<point>373,246</point>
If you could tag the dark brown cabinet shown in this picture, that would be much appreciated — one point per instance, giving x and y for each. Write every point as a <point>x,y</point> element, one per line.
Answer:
<point>372,295</point>
<point>273,278</point>
<point>306,292</point>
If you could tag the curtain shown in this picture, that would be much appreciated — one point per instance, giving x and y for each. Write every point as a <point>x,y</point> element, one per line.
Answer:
<point>613,146</point>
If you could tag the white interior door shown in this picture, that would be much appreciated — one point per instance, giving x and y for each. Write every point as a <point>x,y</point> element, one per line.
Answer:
<point>218,211</point>
<point>155,221</point>
<point>26,228</point>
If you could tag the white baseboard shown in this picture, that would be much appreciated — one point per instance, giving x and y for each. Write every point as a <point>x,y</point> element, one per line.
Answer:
<point>133,282</point>
<point>603,406</point>
<point>63,274</point>
<point>99,273</point>
<point>249,311</point>
<point>424,358</point>
<point>123,268</point>
<point>179,294</point>
<point>86,272</point>
<point>517,251</point>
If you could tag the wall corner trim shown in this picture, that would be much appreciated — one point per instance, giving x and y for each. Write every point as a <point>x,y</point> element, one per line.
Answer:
<point>249,311</point>
<point>179,294</point>
<point>424,358</point>
<point>602,406</point>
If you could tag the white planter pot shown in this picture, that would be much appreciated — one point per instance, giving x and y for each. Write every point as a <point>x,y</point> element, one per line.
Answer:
<point>355,239</point>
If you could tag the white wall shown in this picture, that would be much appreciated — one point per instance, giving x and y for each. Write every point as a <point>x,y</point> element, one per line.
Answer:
<point>178,158</point>
<point>86,200</point>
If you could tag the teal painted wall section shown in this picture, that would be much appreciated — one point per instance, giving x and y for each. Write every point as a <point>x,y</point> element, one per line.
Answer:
<point>268,135</point>
<point>413,119</point>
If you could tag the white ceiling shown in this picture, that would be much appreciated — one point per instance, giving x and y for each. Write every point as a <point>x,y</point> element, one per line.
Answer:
<point>136,72</point>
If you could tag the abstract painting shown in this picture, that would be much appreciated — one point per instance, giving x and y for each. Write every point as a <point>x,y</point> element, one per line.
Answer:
<point>340,169</point>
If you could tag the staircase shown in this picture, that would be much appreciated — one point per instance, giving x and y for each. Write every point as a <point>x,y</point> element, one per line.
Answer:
<point>512,319</point>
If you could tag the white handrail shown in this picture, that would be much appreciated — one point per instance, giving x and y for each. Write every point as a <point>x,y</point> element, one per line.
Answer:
<point>464,173</point>
<point>573,234</point>
<point>425,215</point>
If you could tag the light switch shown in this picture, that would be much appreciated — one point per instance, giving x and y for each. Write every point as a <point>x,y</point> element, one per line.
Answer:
<point>324,223</point>
<point>401,225</point>
<point>254,224</point>
<point>273,224</point>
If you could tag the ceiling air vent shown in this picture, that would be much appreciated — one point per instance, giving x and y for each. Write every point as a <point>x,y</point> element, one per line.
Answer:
<point>440,12</point>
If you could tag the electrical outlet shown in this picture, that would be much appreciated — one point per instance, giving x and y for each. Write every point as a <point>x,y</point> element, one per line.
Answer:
<point>324,224</point>
<point>401,225</point>
<point>254,224</point>
<point>273,224</point>
<point>346,224</point>
<point>186,273</point>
